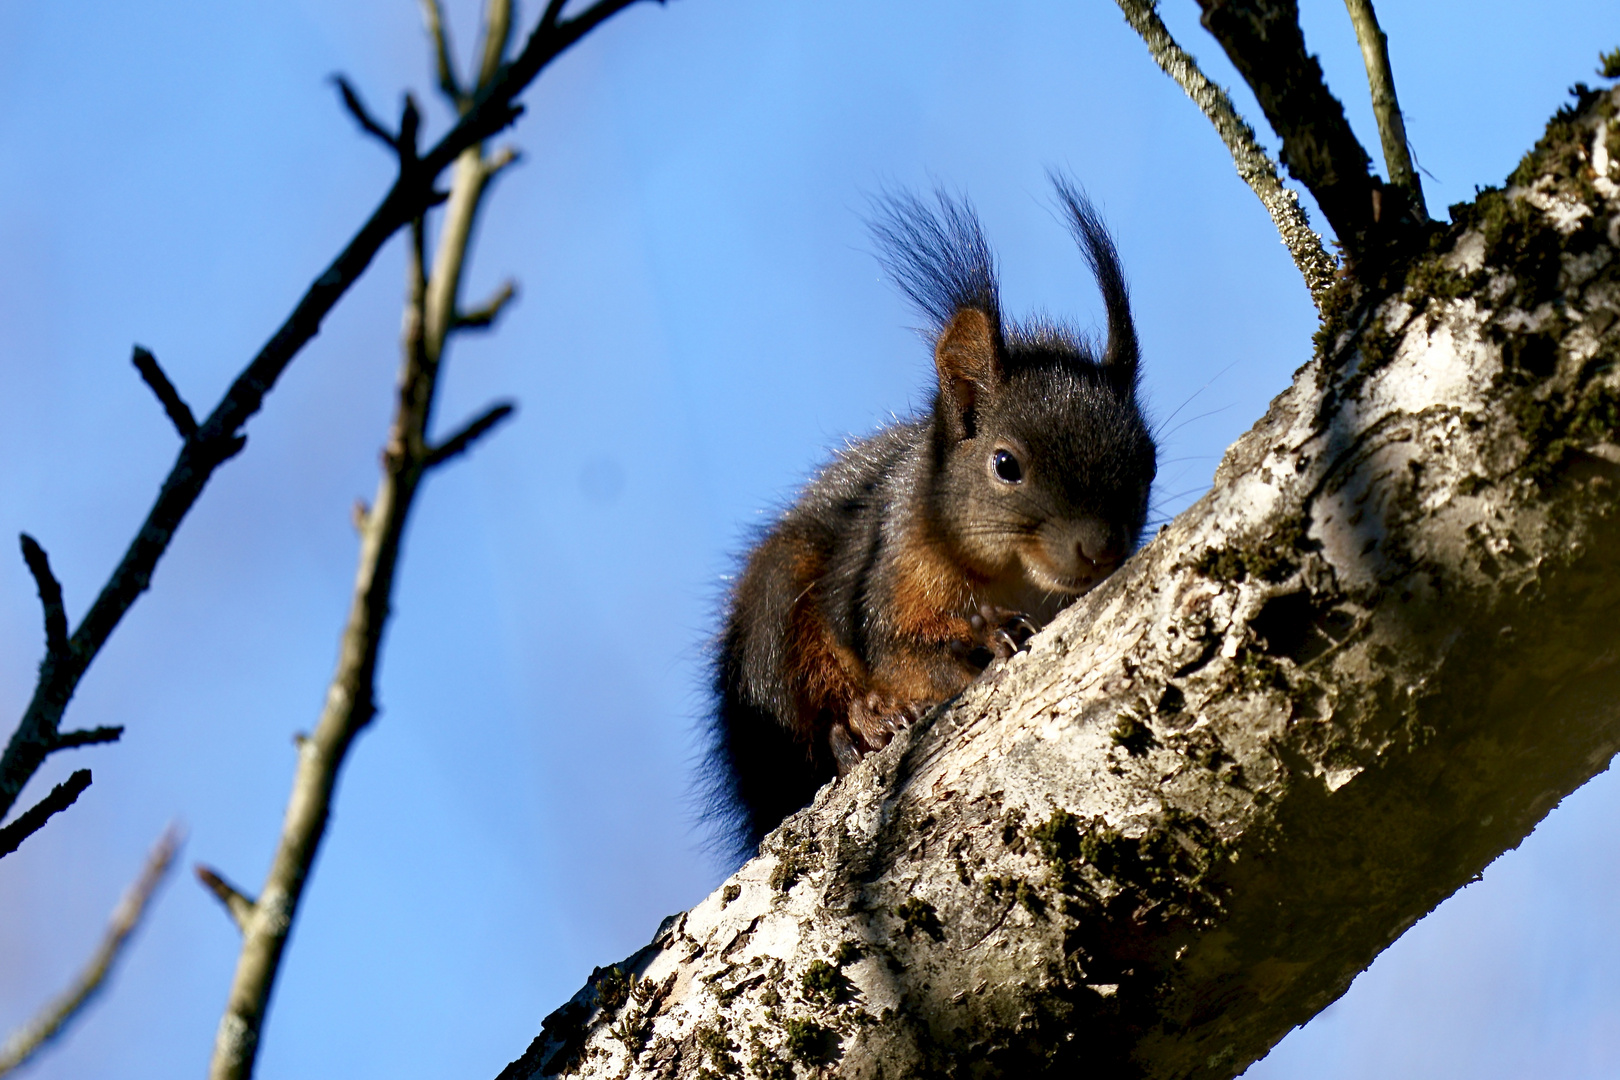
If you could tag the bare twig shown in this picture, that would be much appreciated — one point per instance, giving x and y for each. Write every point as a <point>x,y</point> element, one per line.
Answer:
<point>1254,165</point>
<point>238,904</point>
<point>71,740</point>
<point>1391,126</point>
<point>33,819</point>
<point>173,404</point>
<point>50,598</point>
<point>497,35</point>
<point>218,438</point>
<point>484,315</point>
<point>463,439</point>
<point>38,1032</point>
<point>553,12</point>
<point>449,84</point>
<point>430,319</point>
<point>367,122</point>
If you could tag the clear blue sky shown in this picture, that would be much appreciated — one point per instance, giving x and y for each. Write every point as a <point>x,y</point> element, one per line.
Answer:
<point>700,319</point>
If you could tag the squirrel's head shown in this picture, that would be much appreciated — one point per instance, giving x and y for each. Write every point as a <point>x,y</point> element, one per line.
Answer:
<point>1043,459</point>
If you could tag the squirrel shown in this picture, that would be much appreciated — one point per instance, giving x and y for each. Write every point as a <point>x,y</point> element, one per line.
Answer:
<point>924,552</point>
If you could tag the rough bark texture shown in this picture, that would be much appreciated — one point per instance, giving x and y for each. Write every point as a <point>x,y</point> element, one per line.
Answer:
<point>1379,650</point>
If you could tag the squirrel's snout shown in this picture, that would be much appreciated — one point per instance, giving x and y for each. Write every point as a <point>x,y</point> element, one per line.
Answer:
<point>1098,544</point>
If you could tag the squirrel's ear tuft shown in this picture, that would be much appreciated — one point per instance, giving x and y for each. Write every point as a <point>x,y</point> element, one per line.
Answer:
<point>967,357</point>
<point>1119,361</point>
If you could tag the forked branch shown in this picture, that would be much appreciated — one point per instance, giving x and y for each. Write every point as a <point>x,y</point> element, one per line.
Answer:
<point>218,438</point>
<point>1254,165</point>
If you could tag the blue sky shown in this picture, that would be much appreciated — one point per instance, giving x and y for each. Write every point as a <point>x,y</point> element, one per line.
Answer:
<point>700,319</point>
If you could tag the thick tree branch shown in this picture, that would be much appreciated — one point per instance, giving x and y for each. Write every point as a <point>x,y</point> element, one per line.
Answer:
<point>497,36</point>
<point>33,819</point>
<point>174,405</point>
<point>50,1023</point>
<point>217,438</point>
<point>1254,165</point>
<point>1383,646</point>
<point>1391,126</point>
<point>1264,42</point>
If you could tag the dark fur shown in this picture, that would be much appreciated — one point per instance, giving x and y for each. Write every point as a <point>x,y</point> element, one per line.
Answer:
<point>910,561</point>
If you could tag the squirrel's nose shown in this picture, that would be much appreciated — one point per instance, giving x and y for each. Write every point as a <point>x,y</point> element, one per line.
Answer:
<point>1098,544</point>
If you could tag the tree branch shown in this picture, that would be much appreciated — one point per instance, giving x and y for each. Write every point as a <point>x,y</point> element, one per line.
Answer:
<point>497,35</point>
<point>1254,165</point>
<point>174,405</point>
<point>1264,42</point>
<point>449,84</point>
<point>217,438</point>
<point>38,1032</point>
<point>72,740</point>
<point>238,905</point>
<point>367,122</point>
<point>33,819</point>
<point>50,598</point>
<point>462,440</point>
<point>483,317</point>
<point>1381,648</point>
<point>430,317</point>
<point>1391,126</point>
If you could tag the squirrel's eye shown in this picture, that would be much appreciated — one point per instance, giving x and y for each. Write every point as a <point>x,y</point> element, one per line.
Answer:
<point>1007,467</point>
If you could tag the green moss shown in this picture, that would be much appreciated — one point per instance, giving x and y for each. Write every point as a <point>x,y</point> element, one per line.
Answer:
<point>1022,892</point>
<point>918,916</point>
<point>824,984</point>
<point>729,893</point>
<point>1131,733</point>
<point>612,989</point>
<point>1168,864</point>
<point>1274,559</point>
<point>810,1042</point>
<point>848,952</point>
<point>763,1062</point>
<point>1609,64</point>
<point>793,854</point>
<point>717,1053</point>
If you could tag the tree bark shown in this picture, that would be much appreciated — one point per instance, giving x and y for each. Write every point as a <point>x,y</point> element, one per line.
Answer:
<point>1370,660</point>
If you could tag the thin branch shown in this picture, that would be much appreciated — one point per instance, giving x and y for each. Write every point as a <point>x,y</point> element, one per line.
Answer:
<point>38,1032</point>
<point>500,160</point>
<point>462,440</point>
<point>1391,126</point>
<point>218,438</point>
<point>484,316</point>
<point>1264,42</point>
<point>497,36</point>
<point>71,740</point>
<point>367,122</point>
<point>433,299</point>
<point>33,819</point>
<point>553,13</point>
<point>173,404</point>
<point>50,598</point>
<point>238,904</point>
<point>1254,165</point>
<point>449,84</point>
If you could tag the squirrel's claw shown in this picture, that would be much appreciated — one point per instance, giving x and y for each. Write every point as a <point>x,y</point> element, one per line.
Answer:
<point>843,749</point>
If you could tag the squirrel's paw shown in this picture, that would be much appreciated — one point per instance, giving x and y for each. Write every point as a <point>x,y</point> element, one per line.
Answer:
<point>873,721</point>
<point>1001,630</point>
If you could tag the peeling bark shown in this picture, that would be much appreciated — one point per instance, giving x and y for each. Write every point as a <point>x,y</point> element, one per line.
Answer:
<point>1381,649</point>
